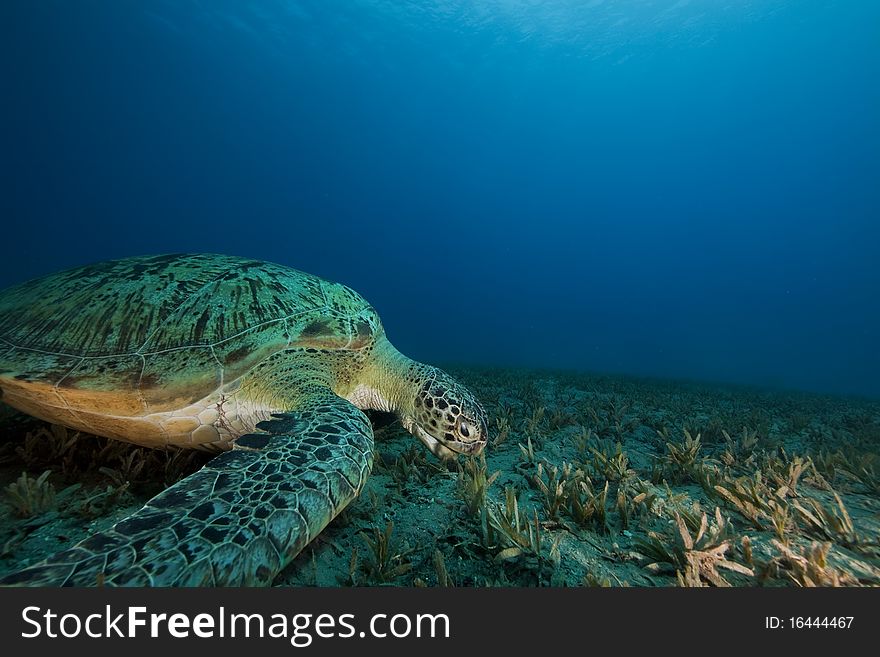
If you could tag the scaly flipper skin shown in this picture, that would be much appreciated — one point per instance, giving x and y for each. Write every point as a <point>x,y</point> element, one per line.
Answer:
<point>201,351</point>
<point>240,519</point>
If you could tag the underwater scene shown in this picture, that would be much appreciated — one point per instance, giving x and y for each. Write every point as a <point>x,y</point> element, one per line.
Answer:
<point>464,293</point>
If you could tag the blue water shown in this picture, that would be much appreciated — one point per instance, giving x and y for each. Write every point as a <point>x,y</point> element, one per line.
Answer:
<point>679,189</point>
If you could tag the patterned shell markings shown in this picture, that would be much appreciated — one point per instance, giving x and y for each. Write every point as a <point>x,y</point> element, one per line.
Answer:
<point>161,327</point>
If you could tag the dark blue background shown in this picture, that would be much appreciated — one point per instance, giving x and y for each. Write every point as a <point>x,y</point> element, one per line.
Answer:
<point>667,188</point>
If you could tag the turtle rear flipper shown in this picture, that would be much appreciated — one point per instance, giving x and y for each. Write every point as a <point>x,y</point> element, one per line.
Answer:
<point>240,519</point>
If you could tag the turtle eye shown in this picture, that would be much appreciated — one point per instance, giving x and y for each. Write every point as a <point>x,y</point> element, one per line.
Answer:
<point>464,429</point>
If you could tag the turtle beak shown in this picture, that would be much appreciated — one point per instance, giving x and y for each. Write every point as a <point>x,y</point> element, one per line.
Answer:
<point>472,448</point>
<point>436,448</point>
<point>448,449</point>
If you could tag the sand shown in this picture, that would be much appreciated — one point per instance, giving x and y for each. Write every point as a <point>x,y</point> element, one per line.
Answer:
<point>617,482</point>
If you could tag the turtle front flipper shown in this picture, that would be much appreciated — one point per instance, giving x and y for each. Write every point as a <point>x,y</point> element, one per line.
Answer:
<point>240,519</point>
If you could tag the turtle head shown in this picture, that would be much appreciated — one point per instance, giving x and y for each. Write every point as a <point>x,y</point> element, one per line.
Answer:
<point>446,416</point>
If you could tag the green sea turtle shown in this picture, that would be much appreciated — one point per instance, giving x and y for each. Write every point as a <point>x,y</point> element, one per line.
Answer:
<point>269,365</point>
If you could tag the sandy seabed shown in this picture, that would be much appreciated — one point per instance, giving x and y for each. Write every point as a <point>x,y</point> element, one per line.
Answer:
<point>588,480</point>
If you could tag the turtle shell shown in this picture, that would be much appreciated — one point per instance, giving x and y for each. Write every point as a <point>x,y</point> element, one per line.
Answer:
<point>154,334</point>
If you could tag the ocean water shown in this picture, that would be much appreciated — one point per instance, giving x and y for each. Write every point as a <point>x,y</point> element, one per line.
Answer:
<point>682,189</point>
<point>603,217</point>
